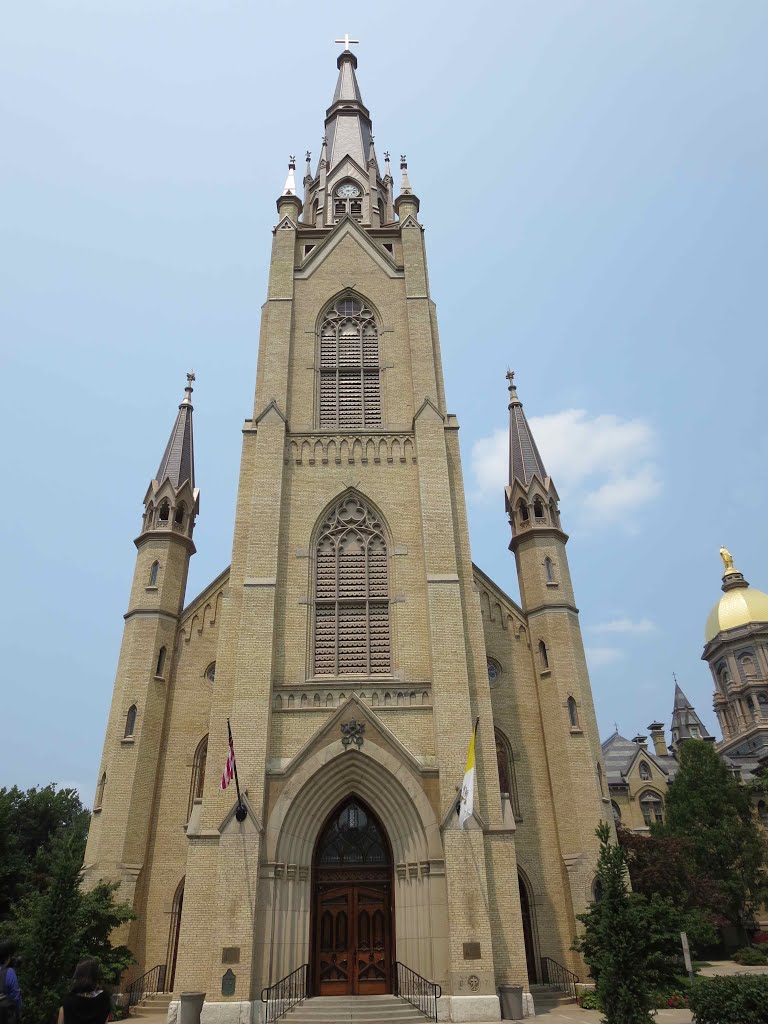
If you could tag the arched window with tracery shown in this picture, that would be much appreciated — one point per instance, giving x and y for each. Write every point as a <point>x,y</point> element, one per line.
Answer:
<point>350,375</point>
<point>652,807</point>
<point>351,635</point>
<point>198,773</point>
<point>506,764</point>
<point>543,655</point>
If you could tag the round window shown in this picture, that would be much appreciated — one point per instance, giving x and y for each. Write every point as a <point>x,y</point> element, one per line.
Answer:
<point>210,672</point>
<point>494,671</point>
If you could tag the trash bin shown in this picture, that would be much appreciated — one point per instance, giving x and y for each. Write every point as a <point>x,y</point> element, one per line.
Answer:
<point>511,997</point>
<point>191,1007</point>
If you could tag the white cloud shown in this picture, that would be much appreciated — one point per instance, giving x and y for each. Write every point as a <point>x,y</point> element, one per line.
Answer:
<point>624,626</point>
<point>602,464</point>
<point>598,657</point>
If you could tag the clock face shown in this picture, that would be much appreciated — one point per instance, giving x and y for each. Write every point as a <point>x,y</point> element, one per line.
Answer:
<point>348,191</point>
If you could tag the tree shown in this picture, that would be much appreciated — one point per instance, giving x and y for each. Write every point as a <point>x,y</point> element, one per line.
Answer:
<point>662,865</point>
<point>723,843</point>
<point>29,822</point>
<point>630,941</point>
<point>54,922</point>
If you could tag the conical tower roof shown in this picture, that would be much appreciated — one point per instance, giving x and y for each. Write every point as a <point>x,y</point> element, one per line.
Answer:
<point>348,126</point>
<point>524,459</point>
<point>684,717</point>
<point>178,462</point>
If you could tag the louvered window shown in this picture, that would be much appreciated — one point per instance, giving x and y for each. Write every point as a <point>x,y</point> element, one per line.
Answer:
<point>351,593</point>
<point>350,388</point>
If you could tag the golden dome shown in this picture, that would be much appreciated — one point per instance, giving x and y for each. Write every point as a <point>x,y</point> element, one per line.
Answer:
<point>737,607</point>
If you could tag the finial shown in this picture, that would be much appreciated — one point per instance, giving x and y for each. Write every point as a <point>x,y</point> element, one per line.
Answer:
<point>387,171</point>
<point>512,388</point>
<point>403,162</point>
<point>187,400</point>
<point>290,181</point>
<point>308,157</point>
<point>347,41</point>
<point>674,676</point>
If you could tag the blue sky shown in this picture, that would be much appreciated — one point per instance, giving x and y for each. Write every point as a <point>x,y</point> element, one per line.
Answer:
<point>593,184</point>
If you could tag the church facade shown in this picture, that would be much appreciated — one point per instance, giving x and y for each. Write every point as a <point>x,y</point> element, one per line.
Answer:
<point>352,644</point>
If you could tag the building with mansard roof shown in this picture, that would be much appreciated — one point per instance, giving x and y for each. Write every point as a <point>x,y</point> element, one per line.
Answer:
<point>736,650</point>
<point>352,645</point>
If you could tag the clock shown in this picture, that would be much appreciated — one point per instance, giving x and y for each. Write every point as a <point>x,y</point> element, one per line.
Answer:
<point>348,191</point>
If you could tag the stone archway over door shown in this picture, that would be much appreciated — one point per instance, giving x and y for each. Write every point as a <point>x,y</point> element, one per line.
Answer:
<point>352,921</point>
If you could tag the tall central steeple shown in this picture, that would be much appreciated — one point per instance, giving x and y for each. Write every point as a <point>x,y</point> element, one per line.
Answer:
<point>348,181</point>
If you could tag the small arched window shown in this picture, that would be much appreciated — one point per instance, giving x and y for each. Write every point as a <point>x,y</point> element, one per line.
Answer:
<point>549,570</point>
<point>165,512</point>
<point>600,779</point>
<point>197,784</point>
<point>99,798</point>
<point>645,772</point>
<point>597,890</point>
<point>505,763</point>
<point>160,662</point>
<point>747,666</point>
<point>178,517</point>
<point>130,721</point>
<point>573,715</point>
<point>616,811</point>
<point>543,655</point>
<point>538,509</point>
<point>522,511</point>
<point>652,807</point>
<point>153,574</point>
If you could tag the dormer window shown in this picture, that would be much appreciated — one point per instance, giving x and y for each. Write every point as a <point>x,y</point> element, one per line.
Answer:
<point>348,200</point>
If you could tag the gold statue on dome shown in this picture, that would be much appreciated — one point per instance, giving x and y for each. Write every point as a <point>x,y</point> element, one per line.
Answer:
<point>727,558</point>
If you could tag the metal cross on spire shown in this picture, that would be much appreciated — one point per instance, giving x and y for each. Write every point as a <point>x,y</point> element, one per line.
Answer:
<point>347,41</point>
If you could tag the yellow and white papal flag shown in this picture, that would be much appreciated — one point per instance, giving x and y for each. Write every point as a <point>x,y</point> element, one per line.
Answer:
<point>467,800</point>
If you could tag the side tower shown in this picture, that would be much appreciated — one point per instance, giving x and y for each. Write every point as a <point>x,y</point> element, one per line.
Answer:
<point>120,828</point>
<point>574,758</point>
<point>736,641</point>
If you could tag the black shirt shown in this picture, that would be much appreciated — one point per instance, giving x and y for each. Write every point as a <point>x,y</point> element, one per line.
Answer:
<point>88,1008</point>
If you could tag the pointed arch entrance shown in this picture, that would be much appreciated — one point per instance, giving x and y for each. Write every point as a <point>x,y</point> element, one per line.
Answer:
<point>352,947</point>
<point>529,936</point>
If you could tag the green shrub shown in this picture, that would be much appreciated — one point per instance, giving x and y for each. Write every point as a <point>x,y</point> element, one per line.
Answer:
<point>750,956</point>
<point>589,1001</point>
<point>742,999</point>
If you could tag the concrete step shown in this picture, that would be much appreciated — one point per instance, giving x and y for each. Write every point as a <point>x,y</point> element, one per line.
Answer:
<point>355,1010</point>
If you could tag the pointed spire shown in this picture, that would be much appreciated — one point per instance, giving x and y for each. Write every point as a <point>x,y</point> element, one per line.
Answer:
<point>524,459</point>
<point>686,724</point>
<point>178,462</point>
<point>308,170</point>
<point>290,181</point>
<point>387,169</point>
<point>348,121</point>
<point>372,161</point>
<point>323,161</point>
<point>405,184</point>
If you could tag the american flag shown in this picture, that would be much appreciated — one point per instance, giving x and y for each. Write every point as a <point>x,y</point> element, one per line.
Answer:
<point>229,768</point>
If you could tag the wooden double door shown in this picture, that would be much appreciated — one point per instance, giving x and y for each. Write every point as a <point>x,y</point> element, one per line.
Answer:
<point>353,937</point>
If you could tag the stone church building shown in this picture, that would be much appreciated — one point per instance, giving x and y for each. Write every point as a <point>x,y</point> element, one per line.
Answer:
<point>352,644</point>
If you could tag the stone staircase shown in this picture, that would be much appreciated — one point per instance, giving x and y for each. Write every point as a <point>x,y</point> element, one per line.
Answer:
<point>153,1004</point>
<point>355,1010</point>
<point>548,997</point>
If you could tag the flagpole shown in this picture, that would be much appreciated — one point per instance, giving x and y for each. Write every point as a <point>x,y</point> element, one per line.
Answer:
<point>241,813</point>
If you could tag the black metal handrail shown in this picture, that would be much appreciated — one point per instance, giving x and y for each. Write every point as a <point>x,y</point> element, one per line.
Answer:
<point>285,994</point>
<point>416,990</point>
<point>553,973</point>
<point>152,981</point>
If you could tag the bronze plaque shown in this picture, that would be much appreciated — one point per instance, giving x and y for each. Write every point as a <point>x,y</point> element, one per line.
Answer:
<point>472,951</point>
<point>230,955</point>
<point>228,984</point>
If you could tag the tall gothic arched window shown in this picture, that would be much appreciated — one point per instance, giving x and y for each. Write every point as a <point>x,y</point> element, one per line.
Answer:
<point>350,376</point>
<point>351,592</point>
<point>198,773</point>
<point>505,763</point>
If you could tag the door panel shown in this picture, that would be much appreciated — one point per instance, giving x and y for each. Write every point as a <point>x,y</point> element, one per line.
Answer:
<point>335,956</point>
<point>353,941</point>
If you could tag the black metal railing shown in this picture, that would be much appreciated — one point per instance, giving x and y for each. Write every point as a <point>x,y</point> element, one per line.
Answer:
<point>553,973</point>
<point>285,994</point>
<point>152,981</point>
<point>416,990</point>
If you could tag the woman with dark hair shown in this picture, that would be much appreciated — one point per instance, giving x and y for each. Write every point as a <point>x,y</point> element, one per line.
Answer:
<point>87,1002</point>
